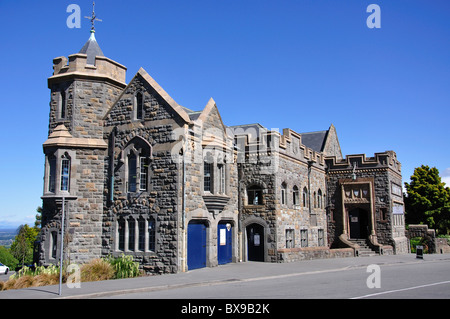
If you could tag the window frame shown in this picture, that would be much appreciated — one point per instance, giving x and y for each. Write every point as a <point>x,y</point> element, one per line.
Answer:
<point>62,112</point>
<point>319,199</point>
<point>139,113</point>
<point>138,150</point>
<point>254,190</point>
<point>290,238</point>
<point>52,175</point>
<point>295,196</point>
<point>283,193</point>
<point>136,234</point>
<point>208,177</point>
<point>65,173</point>
<point>320,237</point>
<point>303,238</point>
<point>305,201</point>
<point>58,176</point>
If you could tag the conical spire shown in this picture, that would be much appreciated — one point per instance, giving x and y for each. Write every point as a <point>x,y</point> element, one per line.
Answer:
<point>91,49</point>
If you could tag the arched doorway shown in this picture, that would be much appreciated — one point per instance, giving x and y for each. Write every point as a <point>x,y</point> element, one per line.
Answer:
<point>358,219</point>
<point>255,242</point>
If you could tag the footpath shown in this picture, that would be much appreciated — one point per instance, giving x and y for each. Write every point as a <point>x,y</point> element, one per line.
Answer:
<point>233,272</point>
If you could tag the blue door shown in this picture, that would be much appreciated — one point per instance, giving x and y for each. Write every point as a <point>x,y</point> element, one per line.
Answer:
<point>224,243</point>
<point>196,242</point>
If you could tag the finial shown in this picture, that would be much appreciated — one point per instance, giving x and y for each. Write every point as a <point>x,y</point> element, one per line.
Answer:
<point>93,18</point>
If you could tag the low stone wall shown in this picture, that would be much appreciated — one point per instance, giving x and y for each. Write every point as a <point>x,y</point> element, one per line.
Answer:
<point>435,245</point>
<point>422,231</point>
<point>442,246</point>
<point>387,250</point>
<point>309,253</point>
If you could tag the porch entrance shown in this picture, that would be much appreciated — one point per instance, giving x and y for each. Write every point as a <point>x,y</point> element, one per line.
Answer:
<point>358,219</point>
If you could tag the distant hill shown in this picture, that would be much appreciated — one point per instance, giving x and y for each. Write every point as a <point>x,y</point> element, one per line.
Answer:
<point>7,237</point>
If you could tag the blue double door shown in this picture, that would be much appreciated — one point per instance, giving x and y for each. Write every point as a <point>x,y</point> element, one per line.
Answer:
<point>197,244</point>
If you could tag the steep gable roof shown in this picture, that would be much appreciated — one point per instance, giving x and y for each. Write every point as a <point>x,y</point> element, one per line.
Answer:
<point>210,106</point>
<point>179,110</point>
<point>326,142</point>
<point>163,94</point>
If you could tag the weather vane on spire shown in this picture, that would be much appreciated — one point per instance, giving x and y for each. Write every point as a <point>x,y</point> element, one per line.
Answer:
<point>93,18</point>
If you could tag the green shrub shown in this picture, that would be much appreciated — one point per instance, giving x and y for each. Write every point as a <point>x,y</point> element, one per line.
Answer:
<point>124,266</point>
<point>39,270</point>
<point>418,241</point>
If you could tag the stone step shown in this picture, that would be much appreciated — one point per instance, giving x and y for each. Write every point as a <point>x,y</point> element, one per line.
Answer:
<point>364,249</point>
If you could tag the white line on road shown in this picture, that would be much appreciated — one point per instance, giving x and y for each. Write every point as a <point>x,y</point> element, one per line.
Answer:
<point>404,289</point>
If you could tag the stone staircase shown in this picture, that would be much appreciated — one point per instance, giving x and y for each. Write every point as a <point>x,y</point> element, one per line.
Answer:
<point>364,249</point>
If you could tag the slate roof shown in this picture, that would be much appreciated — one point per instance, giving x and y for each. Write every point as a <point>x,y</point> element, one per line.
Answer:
<point>91,49</point>
<point>314,140</point>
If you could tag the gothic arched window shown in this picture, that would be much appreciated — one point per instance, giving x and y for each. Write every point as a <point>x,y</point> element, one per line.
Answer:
<point>137,156</point>
<point>283,194</point>
<point>139,106</point>
<point>65,173</point>
<point>295,196</point>
<point>319,198</point>
<point>305,197</point>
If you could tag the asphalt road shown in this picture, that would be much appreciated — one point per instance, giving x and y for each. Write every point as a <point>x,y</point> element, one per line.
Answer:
<point>399,276</point>
<point>4,277</point>
<point>395,281</point>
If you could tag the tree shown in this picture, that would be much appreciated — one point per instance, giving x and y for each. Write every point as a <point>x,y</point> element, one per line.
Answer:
<point>22,247</point>
<point>427,200</point>
<point>38,221</point>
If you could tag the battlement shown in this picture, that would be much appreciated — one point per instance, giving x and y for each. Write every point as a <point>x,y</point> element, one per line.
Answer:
<point>76,65</point>
<point>254,139</point>
<point>387,159</point>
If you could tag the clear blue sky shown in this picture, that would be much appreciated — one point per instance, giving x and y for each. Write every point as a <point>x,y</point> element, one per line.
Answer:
<point>301,64</point>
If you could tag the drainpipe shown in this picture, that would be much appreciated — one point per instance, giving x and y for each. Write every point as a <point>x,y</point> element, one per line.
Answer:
<point>183,210</point>
<point>111,165</point>
<point>310,163</point>
<point>240,235</point>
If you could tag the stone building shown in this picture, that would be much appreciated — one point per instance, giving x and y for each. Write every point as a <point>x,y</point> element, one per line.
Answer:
<point>177,189</point>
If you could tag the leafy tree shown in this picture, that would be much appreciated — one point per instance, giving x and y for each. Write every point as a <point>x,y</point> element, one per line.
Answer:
<point>37,223</point>
<point>427,200</point>
<point>7,258</point>
<point>22,247</point>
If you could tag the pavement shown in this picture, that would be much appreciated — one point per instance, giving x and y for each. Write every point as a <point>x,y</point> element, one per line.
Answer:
<point>229,273</point>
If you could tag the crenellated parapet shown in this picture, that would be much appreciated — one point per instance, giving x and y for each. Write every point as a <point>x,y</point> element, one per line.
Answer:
<point>384,160</point>
<point>255,140</point>
<point>77,65</point>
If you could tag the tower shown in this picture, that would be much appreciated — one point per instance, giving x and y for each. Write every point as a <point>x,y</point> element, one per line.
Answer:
<point>83,88</point>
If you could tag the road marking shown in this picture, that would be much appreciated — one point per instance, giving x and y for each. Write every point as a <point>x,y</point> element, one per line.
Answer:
<point>404,289</point>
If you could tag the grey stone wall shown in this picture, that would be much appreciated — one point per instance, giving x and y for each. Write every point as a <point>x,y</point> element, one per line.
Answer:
<point>161,201</point>
<point>208,142</point>
<point>86,104</point>
<point>295,173</point>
